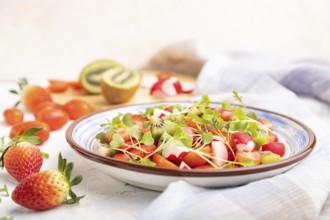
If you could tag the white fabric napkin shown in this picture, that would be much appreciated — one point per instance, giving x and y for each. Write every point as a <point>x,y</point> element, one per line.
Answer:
<point>300,193</point>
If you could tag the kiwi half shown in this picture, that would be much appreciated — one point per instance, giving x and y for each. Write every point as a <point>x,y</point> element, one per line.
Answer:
<point>118,85</point>
<point>90,75</point>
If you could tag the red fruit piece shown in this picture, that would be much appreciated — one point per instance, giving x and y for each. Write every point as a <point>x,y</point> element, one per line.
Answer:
<point>244,141</point>
<point>20,128</point>
<point>54,118</point>
<point>33,95</point>
<point>22,159</point>
<point>47,189</point>
<point>77,108</point>
<point>13,116</point>
<point>276,148</point>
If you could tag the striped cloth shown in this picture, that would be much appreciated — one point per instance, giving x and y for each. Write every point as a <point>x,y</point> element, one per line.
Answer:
<point>300,193</point>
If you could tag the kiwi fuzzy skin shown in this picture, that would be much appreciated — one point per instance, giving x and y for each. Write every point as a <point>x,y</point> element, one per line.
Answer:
<point>117,95</point>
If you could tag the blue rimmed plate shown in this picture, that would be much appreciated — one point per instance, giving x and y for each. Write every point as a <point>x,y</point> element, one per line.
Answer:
<point>299,140</point>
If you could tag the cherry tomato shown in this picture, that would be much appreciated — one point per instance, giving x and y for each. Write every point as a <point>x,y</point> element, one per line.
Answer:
<point>13,116</point>
<point>74,85</point>
<point>276,148</point>
<point>44,105</point>
<point>33,95</point>
<point>193,159</point>
<point>162,76</point>
<point>77,108</point>
<point>57,86</point>
<point>54,118</point>
<point>226,115</point>
<point>21,127</point>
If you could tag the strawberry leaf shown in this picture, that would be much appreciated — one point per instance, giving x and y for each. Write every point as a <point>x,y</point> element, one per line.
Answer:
<point>31,131</point>
<point>13,92</point>
<point>61,163</point>
<point>31,139</point>
<point>68,170</point>
<point>76,180</point>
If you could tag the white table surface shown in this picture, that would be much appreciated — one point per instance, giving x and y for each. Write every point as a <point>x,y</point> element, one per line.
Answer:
<point>105,197</point>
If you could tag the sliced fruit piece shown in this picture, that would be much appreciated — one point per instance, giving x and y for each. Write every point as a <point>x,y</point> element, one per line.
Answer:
<point>244,141</point>
<point>90,75</point>
<point>162,162</point>
<point>276,148</point>
<point>118,85</point>
<point>220,153</point>
<point>269,157</point>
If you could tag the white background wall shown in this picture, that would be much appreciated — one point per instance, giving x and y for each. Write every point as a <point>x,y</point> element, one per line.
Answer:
<point>56,38</point>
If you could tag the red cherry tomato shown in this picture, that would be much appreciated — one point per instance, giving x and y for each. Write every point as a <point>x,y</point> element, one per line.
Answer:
<point>54,118</point>
<point>13,116</point>
<point>226,115</point>
<point>77,108</point>
<point>276,148</point>
<point>20,128</point>
<point>44,105</point>
<point>57,86</point>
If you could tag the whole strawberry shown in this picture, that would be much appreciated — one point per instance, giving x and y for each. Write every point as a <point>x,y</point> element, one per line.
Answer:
<point>47,189</point>
<point>22,159</point>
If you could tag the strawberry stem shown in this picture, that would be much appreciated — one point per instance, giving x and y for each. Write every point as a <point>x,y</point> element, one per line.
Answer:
<point>66,169</point>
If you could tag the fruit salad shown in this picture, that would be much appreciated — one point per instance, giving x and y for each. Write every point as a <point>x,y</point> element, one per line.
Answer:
<point>197,136</point>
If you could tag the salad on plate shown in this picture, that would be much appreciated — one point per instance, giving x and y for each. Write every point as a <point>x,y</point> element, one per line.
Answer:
<point>197,136</point>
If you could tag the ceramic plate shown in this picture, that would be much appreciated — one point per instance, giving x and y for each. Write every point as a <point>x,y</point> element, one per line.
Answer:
<point>299,139</point>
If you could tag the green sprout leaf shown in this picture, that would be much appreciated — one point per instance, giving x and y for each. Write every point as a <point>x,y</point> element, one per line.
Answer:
<point>146,161</point>
<point>238,97</point>
<point>135,132</point>
<point>117,141</point>
<point>207,137</point>
<point>147,139</point>
<point>127,120</point>
<point>101,137</point>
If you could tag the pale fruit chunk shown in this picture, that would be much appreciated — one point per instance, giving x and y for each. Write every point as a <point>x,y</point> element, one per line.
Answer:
<point>118,85</point>
<point>269,157</point>
<point>90,75</point>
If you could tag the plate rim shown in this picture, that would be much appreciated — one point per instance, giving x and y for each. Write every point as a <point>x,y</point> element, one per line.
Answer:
<point>189,173</point>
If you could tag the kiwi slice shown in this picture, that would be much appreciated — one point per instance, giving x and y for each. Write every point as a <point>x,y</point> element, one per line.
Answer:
<point>159,126</point>
<point>118,84</point>
<point>269,157</point>
<point>90,75</point>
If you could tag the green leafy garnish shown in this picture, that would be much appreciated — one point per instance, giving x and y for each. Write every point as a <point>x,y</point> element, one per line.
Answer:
<point>117,141</point>
<point>147,139</point>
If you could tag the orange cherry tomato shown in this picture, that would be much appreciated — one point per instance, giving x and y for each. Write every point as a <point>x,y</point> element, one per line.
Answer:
<point>74,85</point>
<point>13,116</point>
<point>193,159</point>
<point>20,128</point>
<point>33,95</point>
<point>54,118</point>
<point>121,156</point>
<point>57,86</point>
<point>163,162</point>
<point>77,108</point>
<point>162,76</point>
<point>44,105</point>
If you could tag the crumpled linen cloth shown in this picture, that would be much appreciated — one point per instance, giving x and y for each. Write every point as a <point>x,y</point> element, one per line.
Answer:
<point>273,84</point>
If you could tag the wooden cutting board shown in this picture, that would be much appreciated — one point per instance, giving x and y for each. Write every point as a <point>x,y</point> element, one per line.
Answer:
<point>142,95</point>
